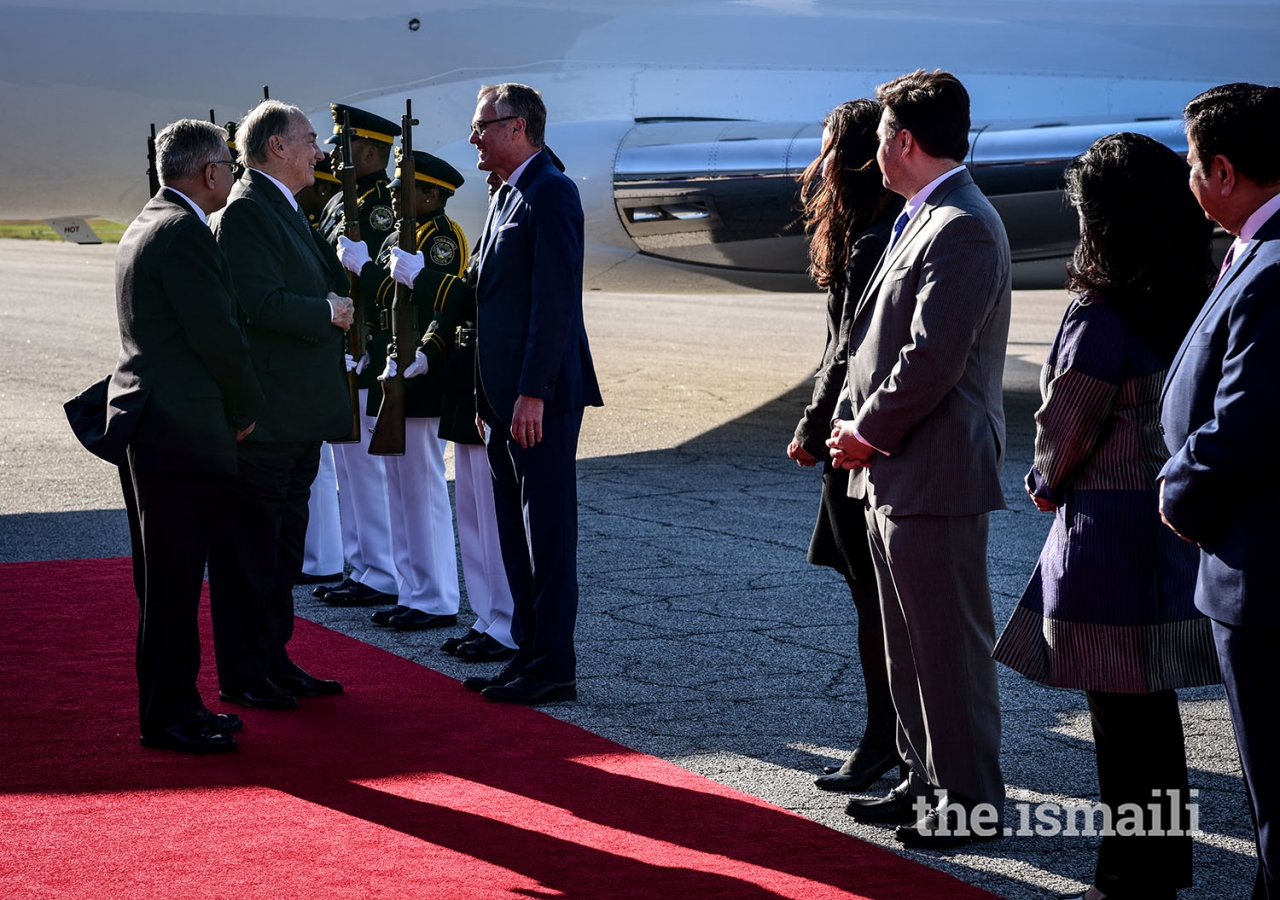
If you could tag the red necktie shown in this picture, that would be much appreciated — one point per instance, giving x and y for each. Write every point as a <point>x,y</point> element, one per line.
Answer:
<point>1226,262</point>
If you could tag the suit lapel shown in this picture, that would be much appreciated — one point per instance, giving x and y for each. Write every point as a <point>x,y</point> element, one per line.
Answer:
<point>293,218</point>
<point>1238,267</point>
<point>915,227</point>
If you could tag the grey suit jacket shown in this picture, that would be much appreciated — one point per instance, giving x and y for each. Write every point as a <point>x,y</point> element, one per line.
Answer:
<point>281,278</point>
<point>183,384</point>
<point>926,361</point>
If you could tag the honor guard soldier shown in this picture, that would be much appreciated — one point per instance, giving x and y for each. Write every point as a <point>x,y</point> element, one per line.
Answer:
<point>314,199</point>
<point>418,494</point>
<point>362,479</point>
<point>445,305</point>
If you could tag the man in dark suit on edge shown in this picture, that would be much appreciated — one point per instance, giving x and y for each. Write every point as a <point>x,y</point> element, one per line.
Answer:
<point>1218,416</point>
<point>182,395</point>
<point>922,428</point>
<point>534,377</point>
<point>285,282</point>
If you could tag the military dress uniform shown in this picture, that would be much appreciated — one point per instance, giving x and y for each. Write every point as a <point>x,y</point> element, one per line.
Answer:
<point>422,537</point>
<point>450,347</point>
<point>362,478</point>
<point>322,553</point>
<point>445,301</point>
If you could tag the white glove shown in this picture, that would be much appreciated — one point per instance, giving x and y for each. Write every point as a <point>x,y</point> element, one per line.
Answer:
<point>405,267</point>
<point>418,366</point>
<point>352,254</point>
<point>351,362</point>
<point>362,364</point>
<point>414,369</point>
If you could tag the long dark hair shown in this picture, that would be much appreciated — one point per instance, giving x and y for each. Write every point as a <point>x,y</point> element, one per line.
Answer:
<point>1144,241</point>
<point>842,198</point>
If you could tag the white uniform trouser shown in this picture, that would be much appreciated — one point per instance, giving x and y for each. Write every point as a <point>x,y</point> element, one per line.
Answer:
<point>486,578</point>
<point>366,522</point>
<point>322,554</point>
<point>426,562</point>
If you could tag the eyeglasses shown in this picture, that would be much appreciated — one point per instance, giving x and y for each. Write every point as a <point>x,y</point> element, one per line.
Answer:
<point>231,164</point>
<point>478,128</point>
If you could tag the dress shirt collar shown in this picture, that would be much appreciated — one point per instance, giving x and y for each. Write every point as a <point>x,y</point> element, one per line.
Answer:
<point>195,207</point>
<point>515,176</point>
<point>918,199</point>
<point>1251,225</point>
<point>1259,218</point>
<point>284,190</point>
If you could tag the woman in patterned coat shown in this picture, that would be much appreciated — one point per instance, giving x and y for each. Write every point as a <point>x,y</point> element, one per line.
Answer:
<point>1109,607</point>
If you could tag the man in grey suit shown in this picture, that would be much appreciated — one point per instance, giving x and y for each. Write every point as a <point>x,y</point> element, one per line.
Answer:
<point>286,282</point>
<point>922,429</point>
<point>182,395</point>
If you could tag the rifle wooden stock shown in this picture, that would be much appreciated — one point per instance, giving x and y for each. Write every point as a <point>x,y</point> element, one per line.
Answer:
<point>355,335</point>
<point>388,430</point>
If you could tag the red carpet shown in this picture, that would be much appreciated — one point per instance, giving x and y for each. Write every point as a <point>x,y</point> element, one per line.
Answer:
<point>406,786</point>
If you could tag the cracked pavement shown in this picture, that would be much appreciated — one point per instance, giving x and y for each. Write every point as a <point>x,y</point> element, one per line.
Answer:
<point>704,637</point>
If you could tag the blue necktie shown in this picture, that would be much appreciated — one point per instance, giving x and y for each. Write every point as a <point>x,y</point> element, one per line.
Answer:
<point>899,224</point>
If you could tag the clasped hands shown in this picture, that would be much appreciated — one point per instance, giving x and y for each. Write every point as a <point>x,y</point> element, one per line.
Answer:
<point>848,451</point>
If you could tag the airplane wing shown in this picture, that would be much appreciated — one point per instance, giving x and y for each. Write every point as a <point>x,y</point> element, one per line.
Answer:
<point>75,229</point>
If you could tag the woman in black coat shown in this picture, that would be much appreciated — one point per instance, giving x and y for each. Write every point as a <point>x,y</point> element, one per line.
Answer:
<point>849,215</point>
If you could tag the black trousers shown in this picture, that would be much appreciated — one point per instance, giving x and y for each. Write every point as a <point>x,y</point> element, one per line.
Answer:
<point>1140,752</point>
<point>172,517</point>
<point>255,561</point>
<point>535,496</point>
<point>1252,679</point>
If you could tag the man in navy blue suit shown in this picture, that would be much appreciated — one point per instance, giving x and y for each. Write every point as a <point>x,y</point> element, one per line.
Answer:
<point>1219,418</point>
<point>534,377</point>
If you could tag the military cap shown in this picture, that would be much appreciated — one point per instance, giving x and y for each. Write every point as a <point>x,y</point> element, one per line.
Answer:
<point>324,171</point>
<point>363,125</point>
<point>432,170</point>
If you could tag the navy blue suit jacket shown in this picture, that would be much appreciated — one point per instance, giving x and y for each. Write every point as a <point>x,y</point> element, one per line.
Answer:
<point>530,336</point>
<point>1220,414</point>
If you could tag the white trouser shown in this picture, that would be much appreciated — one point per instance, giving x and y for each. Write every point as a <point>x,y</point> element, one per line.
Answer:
<point>366,522</point>
<point>426,562</point>
<point>487,589</point>
<point>322,554</point>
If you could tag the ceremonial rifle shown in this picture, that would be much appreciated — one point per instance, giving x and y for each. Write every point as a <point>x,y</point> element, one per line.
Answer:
<point>153,172</point>
<point>388,429</point>
<point>356,333</point>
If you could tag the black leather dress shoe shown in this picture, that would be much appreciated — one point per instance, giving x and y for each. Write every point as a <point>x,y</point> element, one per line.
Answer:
<point>319,579</point>
<point>383,616</point>
<point>303,684</point>
<point>531,690</point>
<point>190,737</point>
<point>858,773</point>
<point>454,643</point>
<point>945,826</point>
<point>325,589</point>
<point>266,696</point>
<point>478,683</point>
<point>484,649</point>
<point>417,620</point>
<point>358,595</point>
<point>897,808</point>
<point>227,723</point>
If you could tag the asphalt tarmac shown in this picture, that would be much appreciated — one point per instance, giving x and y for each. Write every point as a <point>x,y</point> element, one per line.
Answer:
<point>704,637</point>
